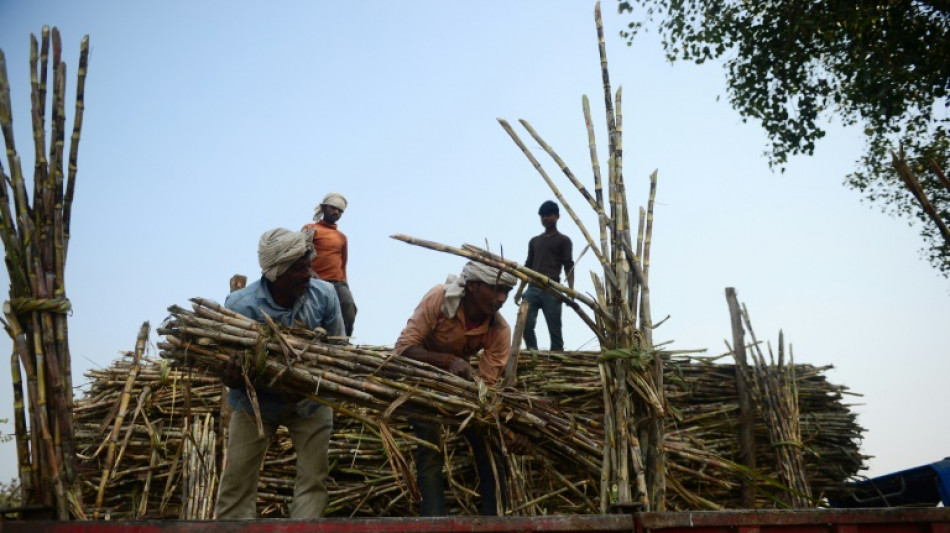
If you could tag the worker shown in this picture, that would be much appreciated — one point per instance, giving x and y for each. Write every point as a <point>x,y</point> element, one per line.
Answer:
<point>290,295</point>
<point>453,322</point>
<point>331,247</point>
<point>548,254</point>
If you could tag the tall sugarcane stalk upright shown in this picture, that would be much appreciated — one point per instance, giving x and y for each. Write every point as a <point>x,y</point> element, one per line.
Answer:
<point>36,239</point>
<point>633,461</point>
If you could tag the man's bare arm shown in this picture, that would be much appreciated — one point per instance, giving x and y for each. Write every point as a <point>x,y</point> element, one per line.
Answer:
<point>445,361</point>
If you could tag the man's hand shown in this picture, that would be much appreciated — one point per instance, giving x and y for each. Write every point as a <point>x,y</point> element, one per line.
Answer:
<point>232,375</point>
<point>517,444</point>
<point>520,290</point>
<point>446,361</point>
<point>459,367</point>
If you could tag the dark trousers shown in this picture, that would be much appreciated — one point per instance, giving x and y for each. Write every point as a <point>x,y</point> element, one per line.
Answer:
<point>551,307</point>
<point>347,305</point>
<point>429,464</point>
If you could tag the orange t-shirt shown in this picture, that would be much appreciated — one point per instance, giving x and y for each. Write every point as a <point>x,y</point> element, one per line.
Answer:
<point>330,245</point>
<point>430,328</point>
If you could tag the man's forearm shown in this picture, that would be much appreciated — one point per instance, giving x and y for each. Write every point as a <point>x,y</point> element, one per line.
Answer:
<point>437,359</point>
<point>446,361</point>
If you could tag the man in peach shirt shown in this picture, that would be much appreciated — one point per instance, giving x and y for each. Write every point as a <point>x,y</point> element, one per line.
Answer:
<point>453,322</point>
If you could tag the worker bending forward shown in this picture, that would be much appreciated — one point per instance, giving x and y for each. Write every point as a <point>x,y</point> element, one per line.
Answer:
<point>291,296</point>
<point>450,325</point>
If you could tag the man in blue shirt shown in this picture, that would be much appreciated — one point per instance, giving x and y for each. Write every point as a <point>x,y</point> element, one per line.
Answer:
<point>291,296</point>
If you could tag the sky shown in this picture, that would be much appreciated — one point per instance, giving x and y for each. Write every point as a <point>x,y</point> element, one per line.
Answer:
<point>208,123</point>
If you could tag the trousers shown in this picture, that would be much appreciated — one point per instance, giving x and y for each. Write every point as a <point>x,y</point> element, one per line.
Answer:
<point>347,305</point>
<point>551,307</point>
<point>429,465</point>
<point>237,496</point>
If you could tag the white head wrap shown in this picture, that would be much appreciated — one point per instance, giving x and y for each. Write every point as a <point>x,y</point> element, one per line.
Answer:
<point>455,286</point>
<point>334,199</point>
<point>279,248</point>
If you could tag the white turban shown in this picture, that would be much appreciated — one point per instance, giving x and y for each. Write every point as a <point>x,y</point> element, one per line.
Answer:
<point>279,248</point>
<point>455,286</point>
<point>334,199</point>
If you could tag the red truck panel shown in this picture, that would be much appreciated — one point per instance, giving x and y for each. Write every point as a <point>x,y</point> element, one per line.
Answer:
<point>890,520</point>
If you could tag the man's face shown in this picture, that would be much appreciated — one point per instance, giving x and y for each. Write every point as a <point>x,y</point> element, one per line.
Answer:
<point>331,214</point>
<point>549,220</point>
<point>295,280</point>
<point>487,298</point>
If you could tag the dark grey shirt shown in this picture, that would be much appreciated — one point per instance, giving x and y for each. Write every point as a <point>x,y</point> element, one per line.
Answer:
<point>549,253</point>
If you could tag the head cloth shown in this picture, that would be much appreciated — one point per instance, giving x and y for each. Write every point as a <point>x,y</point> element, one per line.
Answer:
<point>279,248</point>
<point>334,199</point>
<point>455,286</point>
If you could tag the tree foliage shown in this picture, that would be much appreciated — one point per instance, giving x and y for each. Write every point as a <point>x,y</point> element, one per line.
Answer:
<point>794,66</point>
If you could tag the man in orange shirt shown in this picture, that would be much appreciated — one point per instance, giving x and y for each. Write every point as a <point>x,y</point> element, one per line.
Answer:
<point>453,322</point>
<point>331,247</point>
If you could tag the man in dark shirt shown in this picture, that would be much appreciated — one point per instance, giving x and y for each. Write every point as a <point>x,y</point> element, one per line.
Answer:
<point>548,253</point>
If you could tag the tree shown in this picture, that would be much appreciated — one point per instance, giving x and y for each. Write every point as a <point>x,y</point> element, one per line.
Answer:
<point>793,66</point>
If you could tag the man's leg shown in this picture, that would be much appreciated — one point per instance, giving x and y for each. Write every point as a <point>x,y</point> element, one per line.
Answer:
<point>532,296</point>
<point>551,307</point>
<point>311,439</point>
<point>237,497</point>
<point>429,468</point>
<point>487,480</point>
<point>347,305</point>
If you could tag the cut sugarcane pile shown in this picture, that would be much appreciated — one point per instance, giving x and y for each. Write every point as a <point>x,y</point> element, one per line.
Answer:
<point>557,400</point>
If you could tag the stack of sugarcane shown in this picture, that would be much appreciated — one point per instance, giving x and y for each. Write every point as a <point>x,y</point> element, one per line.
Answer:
<point>162,423</point>
<point>702,441</point>
<point>151,473</point>
<point>35,239</point>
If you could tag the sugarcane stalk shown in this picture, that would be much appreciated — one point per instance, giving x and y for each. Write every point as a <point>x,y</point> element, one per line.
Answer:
<point>598,185</point>
<point>117,424</point>
<point>24,465</point>
<point>565,294</point>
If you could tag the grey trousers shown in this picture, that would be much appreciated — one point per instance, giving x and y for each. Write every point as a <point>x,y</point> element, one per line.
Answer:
<point>237,496</point>
<point>347,305</point>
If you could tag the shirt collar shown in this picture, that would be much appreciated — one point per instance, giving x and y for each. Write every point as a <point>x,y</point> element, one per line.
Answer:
<point>263,292</point>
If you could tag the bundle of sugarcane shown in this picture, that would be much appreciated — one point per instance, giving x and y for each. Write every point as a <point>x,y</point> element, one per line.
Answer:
<point>385,386</point>
<point>706,419</point>
<point>775,391</point>
<point>702,442</point>
<point>200,475</point>
<point>209,336</point>
<point>35,239</point>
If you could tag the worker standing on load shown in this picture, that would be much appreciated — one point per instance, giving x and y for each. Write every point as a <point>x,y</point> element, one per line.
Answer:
<point>453,322</point>
<point>548,253</point>
<point>331,247</point>
<point>291,296</point>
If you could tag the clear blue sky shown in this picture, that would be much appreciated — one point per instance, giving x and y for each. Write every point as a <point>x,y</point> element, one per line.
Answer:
<point>208,123</point>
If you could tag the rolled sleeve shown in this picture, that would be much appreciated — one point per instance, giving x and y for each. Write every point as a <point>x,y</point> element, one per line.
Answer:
<point>422,322</point>
<point>495,357</point>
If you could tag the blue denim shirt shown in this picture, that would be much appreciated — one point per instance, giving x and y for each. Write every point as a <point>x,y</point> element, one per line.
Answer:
<point>318,307</point>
